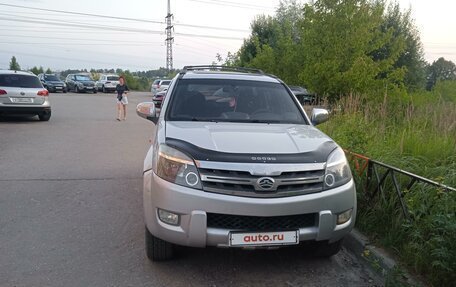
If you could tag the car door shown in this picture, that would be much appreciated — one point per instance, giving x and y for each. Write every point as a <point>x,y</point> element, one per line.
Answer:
<point>70,82</point>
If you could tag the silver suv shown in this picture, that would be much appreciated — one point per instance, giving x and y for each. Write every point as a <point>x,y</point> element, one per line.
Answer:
<point>22,93</point>
<point>236,162</point>
<point>159,85</point>
<point>107,83</point>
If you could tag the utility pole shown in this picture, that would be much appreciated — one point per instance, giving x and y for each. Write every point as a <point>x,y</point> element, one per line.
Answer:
<point>169,39</point>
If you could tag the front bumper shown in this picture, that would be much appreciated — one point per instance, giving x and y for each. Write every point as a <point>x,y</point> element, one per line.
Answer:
<point>86,88</point>
<point>193,205</point>
<point>54,89</point>
<point>110,87</point>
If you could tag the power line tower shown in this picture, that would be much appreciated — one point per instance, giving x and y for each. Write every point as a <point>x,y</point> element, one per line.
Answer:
<point>169,39</point>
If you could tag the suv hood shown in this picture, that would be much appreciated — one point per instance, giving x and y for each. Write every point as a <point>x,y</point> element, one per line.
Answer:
<point>249,138</point>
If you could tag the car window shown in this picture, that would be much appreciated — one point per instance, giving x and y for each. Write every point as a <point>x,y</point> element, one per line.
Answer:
<point>233,101</point>
<point>113,78</point>
<point>51,78</point>
<point>156,82</point>
<point>166,83</point>
<point>20,81</point>
<point>82,78</point>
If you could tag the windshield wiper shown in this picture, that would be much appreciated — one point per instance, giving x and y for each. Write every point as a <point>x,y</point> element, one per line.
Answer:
<point>265,121</point>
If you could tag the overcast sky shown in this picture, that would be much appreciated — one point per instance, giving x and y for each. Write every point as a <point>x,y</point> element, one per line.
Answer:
<point>62,41</point>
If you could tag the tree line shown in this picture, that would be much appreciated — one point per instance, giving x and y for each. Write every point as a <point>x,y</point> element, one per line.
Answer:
<point>138,80</point>
<point>336,48</point>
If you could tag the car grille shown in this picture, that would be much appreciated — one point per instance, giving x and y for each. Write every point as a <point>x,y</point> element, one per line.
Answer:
<point>242,183</point>
<point>259,223</point>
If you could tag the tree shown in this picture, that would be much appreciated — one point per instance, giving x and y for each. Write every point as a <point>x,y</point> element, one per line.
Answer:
<point>14,65</point>
<point>35,70</point>
<point>402,27</point>
<point>48,71</point>
<point>440,70</point>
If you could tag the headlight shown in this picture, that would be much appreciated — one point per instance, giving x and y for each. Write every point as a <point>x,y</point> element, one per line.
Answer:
<point>337,170</point>
<point>80,85</point>
<point>176,167</point>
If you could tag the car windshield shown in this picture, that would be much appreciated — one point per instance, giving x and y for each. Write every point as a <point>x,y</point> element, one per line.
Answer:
<point>113,78</point>
<point>51,78</point>
<point>233,101</point>
<point>20,81</point>
<point>82,78</point>
<point>166,83</point>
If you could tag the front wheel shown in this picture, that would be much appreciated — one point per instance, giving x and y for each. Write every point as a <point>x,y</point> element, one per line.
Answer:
<point>104,89</point>
<point>44,117</point>
<point>76,89</point>
<point>157,249</point>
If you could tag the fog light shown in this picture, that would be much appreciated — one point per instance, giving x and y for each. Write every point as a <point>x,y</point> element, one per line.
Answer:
<point>191,179</point>
<point>329,180</point>
<point>344,216</point>
<point>168,217</point>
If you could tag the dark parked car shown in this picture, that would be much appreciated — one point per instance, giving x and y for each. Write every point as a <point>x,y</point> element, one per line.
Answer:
<point>80,83</point>
<point>303,95</point>
<point>159,97</point>
<point>52,83</point>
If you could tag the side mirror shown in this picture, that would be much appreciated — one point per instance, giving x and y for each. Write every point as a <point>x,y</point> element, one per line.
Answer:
<point>319,116</point>
<point>148,111</point>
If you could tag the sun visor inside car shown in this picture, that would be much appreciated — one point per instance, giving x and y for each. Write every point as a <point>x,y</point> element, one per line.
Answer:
<point>320,154</point>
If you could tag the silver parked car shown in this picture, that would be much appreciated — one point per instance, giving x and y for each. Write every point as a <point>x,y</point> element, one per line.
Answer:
<point>107,83</point>
<point>159,85</point>
<point>236,162</point>
<point>21,93</point>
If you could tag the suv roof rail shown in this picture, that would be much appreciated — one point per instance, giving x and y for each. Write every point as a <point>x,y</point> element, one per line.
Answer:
<point>221,68</point>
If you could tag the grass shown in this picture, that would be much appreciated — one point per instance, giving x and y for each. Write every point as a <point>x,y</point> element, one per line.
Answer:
<point>417,133</point>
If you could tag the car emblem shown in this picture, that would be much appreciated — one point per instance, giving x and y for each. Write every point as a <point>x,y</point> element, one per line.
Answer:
<point>22,93</point>
<point>265,183</point>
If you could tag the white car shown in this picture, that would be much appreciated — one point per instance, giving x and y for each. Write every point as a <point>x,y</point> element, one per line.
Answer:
<point>159,85</point>
<point>22,93</point>
<point>107,83</point>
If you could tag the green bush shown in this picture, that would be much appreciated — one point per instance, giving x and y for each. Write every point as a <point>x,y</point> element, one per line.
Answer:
<point>417,133</point>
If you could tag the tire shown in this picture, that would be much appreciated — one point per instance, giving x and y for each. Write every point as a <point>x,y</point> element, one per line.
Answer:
<point>44,117</point>
<point>325,249</point>
<point>103,89</point>
<point>94,91</point>
<point>157,249</point>
<point>76,89</point>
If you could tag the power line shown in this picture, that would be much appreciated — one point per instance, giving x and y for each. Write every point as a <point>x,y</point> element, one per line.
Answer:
<point>209,36</point>
<point>79,39</point>
<point>82,14</point>
<point>76,44</point>
<point>234,4</point>
<point>121,18</point>
<point>112,28</point>
<point>67,59</point>
<point>117,28</point>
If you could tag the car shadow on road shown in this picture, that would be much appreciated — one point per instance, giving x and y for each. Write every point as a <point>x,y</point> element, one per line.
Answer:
<point>291,266</point>
<point>18,119</point>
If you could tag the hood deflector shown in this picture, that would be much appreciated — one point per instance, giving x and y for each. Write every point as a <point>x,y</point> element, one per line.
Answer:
<point>318,155</point>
